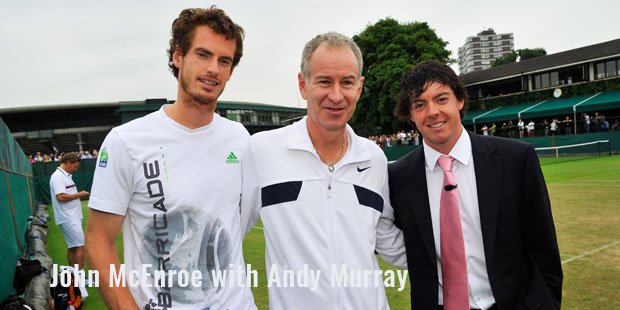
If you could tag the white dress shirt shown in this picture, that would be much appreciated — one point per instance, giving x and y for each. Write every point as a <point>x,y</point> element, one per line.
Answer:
<point>480,293</point>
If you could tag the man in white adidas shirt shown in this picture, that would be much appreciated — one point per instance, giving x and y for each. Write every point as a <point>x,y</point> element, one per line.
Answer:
<point>172,180</point>
<point>321,192</point>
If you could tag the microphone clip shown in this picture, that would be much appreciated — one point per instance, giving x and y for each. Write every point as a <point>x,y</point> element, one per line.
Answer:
<point>450,187</point>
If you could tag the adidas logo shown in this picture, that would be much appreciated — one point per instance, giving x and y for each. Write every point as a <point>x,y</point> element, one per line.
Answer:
<point>232,159</point>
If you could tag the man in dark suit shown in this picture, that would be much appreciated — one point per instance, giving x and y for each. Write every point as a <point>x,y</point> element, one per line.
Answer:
<point>511,258</point>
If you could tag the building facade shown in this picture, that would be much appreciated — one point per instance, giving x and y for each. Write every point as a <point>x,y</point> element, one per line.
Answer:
<point>481,50</point>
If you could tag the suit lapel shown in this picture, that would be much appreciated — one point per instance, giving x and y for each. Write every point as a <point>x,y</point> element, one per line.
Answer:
<point>488,181</point>
<point>418,196</point>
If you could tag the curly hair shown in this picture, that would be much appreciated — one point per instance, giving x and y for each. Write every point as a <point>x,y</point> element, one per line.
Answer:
<point>183,32</point>
<point>415,81</point>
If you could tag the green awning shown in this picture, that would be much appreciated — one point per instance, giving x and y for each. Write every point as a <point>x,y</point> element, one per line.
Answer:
<point>606,100</point>
<point>555,107</point>
<point>504,113</point>
<point>552,107</point>
<point>469,116</point>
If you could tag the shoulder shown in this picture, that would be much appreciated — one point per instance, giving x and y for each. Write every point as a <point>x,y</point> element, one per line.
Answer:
<point>56,175</point>
<point>406,160</point>
<point>270,136</point>
<point>232,127</point>
<point>503,145</point>
<point>375,151</point>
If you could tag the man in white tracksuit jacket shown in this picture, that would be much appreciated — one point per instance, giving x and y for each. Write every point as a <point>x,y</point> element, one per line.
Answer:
<point>321,192</point>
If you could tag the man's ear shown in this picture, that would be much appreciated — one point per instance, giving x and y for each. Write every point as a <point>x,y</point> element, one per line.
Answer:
<point>302,84</point>
<point>177,57</point>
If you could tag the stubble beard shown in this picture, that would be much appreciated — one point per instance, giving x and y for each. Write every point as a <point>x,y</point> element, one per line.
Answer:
<point>197,99</point>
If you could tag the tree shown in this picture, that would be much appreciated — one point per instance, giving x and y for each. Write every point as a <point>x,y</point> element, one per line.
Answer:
<point>389,49</point>
<point>528,53</point>
<point>506,59</point>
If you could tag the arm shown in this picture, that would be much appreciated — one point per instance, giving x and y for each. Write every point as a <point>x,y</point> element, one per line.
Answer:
<point>101,231</point>
<point>390,240</point>
<point>64,197</point>
<point>250,191</point>
<point>539,236</point>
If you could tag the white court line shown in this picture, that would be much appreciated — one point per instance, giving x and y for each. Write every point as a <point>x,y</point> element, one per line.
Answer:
<point>566,261</point>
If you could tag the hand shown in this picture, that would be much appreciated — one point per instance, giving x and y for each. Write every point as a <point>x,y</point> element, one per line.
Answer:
<point>83,194</point>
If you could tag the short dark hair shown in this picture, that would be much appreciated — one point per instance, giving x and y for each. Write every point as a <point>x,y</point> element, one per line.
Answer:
<point>415,81</point>
<point>70,157</point>
<point>183,32</point>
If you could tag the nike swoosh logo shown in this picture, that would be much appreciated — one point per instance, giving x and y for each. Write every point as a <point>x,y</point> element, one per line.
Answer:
<point>362,169</point>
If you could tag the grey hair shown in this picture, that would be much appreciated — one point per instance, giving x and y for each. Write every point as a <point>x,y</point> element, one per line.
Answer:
<point>332,39</point>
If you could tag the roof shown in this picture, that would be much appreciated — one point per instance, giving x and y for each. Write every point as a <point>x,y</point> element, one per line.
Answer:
<point>574,56</point>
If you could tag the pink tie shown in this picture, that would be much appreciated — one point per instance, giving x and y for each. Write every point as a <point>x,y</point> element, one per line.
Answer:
<point>453,265</point>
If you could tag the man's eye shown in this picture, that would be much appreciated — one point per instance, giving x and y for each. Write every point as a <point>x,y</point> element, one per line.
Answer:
<point>348,84</point>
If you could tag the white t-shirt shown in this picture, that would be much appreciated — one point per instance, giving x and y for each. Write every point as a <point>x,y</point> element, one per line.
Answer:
<point>61,182</point>
<point>179,190</point>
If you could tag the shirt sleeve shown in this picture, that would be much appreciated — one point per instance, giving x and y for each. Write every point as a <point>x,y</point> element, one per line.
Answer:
<point>57,185</point>
<point>113,180</point>
<point>250,191</point>
<point>390,240</point>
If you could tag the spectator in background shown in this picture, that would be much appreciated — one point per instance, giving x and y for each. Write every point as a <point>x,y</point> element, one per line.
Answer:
<point>530,129</point>
<point>485,130</point>
<point>95,153</point>
<point>503,131</point>
<point>511,130</point>
<point>546,127</point>
<point>597,121</point>
<point>586,122</point>
<point>616,125</point>
<point>554,126</point>
<point>604,124</point>
<point>68,208</point>
<point>521,128</point>
<point>568,125</point>
<point>31,159</point>
<point>493,129</point>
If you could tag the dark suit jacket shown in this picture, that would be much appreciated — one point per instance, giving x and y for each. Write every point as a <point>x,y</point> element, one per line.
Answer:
<point>520,245</point>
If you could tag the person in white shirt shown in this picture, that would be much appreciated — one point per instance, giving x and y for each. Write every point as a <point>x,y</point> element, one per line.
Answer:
<point>68,208</point>
<point>521,127</point>
<point>172,180</point>
<point>321,190</point>
<point>530,128</point>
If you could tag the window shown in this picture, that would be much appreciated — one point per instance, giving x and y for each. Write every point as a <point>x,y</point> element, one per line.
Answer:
<point>545,80</point>
<point>609,68</point>
<point>554,78</point>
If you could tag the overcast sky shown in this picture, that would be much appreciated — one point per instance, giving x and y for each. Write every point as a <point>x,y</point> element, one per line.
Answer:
<point>63,52</point>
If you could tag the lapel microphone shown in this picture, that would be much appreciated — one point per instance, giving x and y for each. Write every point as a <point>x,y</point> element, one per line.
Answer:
<point>450,187</point>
